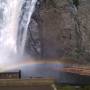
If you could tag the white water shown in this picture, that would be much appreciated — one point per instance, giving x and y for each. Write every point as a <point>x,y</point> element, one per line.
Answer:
<point>10,11</point>
<point>30,6</point>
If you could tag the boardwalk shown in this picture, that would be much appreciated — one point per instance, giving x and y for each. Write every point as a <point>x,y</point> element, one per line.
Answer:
<point>27,88</point>
<point>33,84</point>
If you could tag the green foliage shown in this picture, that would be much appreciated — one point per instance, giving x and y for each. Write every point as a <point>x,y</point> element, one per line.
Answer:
<point>77,53</point>
<point>65,87</point>
<point>85,87</point>
<point>68,87</point>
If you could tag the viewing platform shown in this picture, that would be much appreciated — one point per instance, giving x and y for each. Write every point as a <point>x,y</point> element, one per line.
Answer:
<point>27,82</point>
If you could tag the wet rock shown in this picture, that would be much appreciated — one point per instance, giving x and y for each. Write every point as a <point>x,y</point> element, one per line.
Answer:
<point>64,28</point>
<point>84,18</point>
<point>58,30</point>
<point>33,44</point>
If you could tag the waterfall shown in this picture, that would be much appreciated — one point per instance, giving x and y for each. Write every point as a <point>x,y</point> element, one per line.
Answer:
<point>28,9</point>
<point>10,12</point>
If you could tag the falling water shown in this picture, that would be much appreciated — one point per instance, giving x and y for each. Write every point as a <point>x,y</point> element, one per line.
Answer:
<point>10,11</point>
<point>29,6</point>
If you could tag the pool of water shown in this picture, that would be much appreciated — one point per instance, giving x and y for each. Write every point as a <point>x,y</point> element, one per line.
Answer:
<point>52,70</point>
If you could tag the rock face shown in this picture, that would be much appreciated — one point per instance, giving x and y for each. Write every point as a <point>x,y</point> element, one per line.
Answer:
<point>33,44</point>
<point>84,18</point>
<point>59,37</point>
<point>64,28</point>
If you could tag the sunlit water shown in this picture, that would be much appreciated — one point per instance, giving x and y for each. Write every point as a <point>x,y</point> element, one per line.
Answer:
<point>10,12</point>
<point>29,8</point>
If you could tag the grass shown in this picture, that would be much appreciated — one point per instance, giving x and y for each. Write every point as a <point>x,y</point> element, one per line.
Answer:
<point>69,87</point>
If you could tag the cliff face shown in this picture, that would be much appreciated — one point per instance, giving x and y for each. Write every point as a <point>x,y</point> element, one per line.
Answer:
<point>84,18</point>
<point>58,29</point>
<point>64,28</point>
<point>58,33</point>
